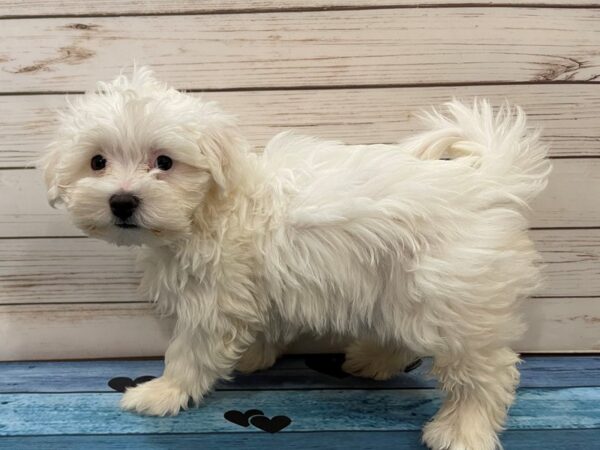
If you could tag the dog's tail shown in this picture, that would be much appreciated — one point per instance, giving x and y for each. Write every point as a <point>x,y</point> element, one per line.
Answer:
<point>499,145</point>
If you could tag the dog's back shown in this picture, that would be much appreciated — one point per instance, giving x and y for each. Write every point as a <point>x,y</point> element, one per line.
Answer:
<point>371,224</point>
<point>415,248</point>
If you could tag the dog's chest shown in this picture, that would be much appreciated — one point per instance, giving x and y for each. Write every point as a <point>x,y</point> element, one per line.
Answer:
<point>171,278</point>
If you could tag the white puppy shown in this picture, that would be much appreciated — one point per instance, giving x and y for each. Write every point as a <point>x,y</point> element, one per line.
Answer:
<point>419,248</point>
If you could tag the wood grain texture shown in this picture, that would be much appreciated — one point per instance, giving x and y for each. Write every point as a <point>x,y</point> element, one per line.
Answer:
<point>290,372</point>
<point>71,331</point>
<point>330,440</point>
<point>11,8</point>
<point>87,270</point>
<point>319,48</point>
<point>49,270</point>
<point>569,115</point>
<point>571,262</point>
<point>81,331</point>
<point>313,410</point>
<point>279,45</point>
<point>570,200</point>
<point>561,325</point>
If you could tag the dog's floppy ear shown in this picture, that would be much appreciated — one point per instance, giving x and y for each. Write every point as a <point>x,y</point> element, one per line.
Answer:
<point>224,149</point>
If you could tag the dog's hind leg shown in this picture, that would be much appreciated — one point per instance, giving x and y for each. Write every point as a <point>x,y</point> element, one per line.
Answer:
<point>261,355</point>
<point>368,358</point>
<point>480,387</point>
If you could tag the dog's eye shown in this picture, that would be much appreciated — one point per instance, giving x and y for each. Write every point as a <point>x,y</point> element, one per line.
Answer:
<point>98,162</point>
<point>164,162</point>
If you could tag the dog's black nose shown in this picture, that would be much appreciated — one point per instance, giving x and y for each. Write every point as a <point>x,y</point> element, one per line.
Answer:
<point>123,205</point>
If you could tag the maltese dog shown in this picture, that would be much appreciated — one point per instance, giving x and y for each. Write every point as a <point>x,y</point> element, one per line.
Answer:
<point>411,249</point>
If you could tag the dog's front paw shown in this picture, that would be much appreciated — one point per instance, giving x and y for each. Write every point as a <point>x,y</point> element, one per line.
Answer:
<point>159,397</point>
<point>445,434</point>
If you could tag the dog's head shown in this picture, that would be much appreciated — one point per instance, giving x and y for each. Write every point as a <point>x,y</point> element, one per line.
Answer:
<point>135,160</point>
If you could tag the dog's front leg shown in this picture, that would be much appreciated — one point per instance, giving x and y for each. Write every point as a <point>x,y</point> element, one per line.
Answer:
<point>194,361</point>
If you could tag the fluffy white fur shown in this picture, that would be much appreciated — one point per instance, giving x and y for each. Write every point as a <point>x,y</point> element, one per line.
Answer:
<point>419,248</point>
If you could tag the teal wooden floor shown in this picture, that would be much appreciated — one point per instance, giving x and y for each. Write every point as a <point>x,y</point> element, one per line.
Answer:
<point>69,405</point>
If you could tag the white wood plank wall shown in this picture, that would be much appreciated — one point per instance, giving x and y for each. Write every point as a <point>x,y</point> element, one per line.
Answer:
<point>355,70</point>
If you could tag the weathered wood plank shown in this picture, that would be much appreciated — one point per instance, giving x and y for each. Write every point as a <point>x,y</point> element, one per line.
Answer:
<point>313,410</point>
<point>75,331</point>
<point>87,270</point>
<point>12,8</point>
<point>570,200</point>
<point>571,262</point>
<point>320,48</point>
<point>290,372</point>
<point>561,325</point>
<point>568,113</point>
<point>49,271</point>
<point>331,440</point>
<point>81,331</point>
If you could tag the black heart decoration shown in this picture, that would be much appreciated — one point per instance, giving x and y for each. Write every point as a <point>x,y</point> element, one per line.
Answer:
<point>143,379</point>
<point>240,418</point>
<point>413,365</point>
<point>272,425</point>
<point>120,384</point>
<point>327,364</point>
